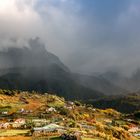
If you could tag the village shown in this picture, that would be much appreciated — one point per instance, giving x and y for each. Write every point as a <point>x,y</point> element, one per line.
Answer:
<point>45,116</point>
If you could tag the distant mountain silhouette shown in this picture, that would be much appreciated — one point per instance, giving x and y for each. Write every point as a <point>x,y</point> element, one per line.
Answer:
<point>99,83</point>
<point>35,68</point>
<point>131,84</point>
<point>124,103</point>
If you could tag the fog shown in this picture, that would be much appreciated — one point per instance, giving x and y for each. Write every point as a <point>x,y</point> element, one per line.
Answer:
<point>87,36</point>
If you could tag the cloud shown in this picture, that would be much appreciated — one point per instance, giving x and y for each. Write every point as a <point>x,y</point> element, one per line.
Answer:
<point>18,20</point>
<point>88,36</point>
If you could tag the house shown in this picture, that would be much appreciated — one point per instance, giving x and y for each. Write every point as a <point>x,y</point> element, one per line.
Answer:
<point>70,103</point>
<point>132,125</point>
<point>4,125</point>
<point>137,135</point>
<point>133,129</point>
<point>16,125</point>
<point>39,122</point>
<point>51,109</point>
<point>22,110</point>
<point>129,120</point>
<point>20,121</point>
<point>4,112</point>
<point>46,94</point>
<point>69,107</point>
<point>49,128</point>
<point>85,126</point>
<point>108,122</point>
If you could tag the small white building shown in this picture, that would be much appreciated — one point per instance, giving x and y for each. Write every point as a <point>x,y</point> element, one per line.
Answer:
<point>22,110</point>
<point>40,122</point>
<point>137,135</point>
<point>20,120</point>
<point>49,128</point>
<point>133,129</point>
<point>4,112</point>
<point>51,109</point>
<point>4,125</point>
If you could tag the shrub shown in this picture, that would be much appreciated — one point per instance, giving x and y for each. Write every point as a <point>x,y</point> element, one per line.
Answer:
<point>77,103</point>
<point>137,114</point>
<point>63,111</point>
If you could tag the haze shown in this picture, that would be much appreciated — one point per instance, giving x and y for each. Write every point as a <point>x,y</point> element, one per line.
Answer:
<point>89,36</point>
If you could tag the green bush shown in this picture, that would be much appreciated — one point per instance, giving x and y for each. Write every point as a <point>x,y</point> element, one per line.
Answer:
<point>63,111</point>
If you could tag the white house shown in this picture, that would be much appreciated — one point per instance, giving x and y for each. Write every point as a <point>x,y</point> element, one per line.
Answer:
<point>133,129</point>
<point>49,128</point>
<point>52,109</point>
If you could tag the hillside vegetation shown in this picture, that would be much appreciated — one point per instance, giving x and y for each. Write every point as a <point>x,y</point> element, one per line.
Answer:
<point>128,103</point>
<point>75,118</point>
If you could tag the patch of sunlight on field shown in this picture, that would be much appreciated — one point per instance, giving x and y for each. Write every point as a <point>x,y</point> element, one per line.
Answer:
<point>16,138</point>
<point>8,133</point>
<point>91,139</point>
<point>46,138</point>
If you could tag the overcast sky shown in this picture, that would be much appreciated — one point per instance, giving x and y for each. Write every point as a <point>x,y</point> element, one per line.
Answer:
<point>87,35</point>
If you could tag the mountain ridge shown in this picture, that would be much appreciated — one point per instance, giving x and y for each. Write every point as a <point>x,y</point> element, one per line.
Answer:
<point>35,68</point>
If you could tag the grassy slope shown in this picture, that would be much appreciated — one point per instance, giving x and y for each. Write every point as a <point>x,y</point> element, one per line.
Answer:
<point>124,103</point>
<point>96,118</point>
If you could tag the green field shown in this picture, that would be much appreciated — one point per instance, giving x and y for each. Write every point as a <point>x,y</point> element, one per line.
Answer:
<point>91,139</point>
<point>46,138</point>
<point>9,133</point>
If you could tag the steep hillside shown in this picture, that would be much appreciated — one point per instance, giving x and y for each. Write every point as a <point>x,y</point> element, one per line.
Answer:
<point>100,84</point>
<point>130,83</point>
<point>61,83</point>
<point>34,68</point>
<point>124,103</point>
<point>31,115</point>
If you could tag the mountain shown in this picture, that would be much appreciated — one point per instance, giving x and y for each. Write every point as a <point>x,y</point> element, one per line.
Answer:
<point>131,83</point>
<point>118,80</point>
<point>134,81</point>
<point>34,68</point>
<point>124,103</point>
<point>100,84</point>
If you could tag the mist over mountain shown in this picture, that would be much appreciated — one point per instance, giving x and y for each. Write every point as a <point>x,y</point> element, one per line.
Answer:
<point>33,56</point>
<point>57,46</point>
<point>88,37</point>
<point>34,68</point>
<point>130,83</point>
<point>101,84</point>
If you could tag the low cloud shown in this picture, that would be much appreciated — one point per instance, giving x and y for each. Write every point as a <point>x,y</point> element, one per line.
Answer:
<point>82,36</point>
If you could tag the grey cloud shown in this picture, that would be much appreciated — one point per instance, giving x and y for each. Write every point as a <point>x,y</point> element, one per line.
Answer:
<point>82,42</point>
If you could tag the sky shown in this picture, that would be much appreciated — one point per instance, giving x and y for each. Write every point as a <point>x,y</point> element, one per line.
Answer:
<point>89,36</point>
